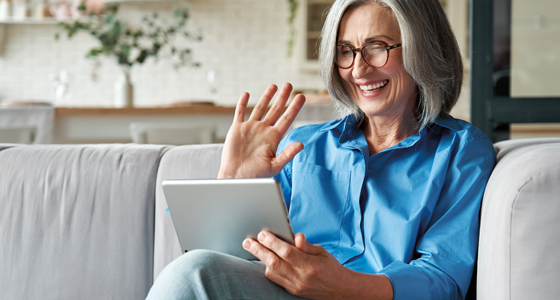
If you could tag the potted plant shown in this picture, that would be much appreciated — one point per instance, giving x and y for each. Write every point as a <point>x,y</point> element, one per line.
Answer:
<point>133,46</point>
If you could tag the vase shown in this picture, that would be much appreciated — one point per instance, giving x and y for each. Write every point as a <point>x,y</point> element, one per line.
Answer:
<point>124,90</point>
<point>5,10</point>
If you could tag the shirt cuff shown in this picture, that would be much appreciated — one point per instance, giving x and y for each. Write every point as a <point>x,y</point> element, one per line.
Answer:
<point>408,281</point>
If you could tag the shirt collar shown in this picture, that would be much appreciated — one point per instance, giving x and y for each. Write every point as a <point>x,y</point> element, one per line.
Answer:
<point>345,126</point>
<point>449,122</point>
<point>351,138</point>
<point>340,124</point>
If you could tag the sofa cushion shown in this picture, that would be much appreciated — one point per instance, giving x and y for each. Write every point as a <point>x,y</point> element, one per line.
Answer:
<point>184,162</point>
<point>519,236</point>
<point>77,221</point>
<point>6,146</point>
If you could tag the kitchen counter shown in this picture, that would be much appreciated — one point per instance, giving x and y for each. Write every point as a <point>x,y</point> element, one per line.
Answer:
<point>77,125</point>
<point>146,111</point>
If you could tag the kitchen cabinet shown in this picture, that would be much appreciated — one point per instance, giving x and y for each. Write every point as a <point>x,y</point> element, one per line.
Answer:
<point>311,17</point>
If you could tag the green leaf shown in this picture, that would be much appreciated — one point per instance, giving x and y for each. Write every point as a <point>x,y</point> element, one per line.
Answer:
<point>94,53</point>
<point>123,60</point>
<point>142,56</point>
<point>125,49</point>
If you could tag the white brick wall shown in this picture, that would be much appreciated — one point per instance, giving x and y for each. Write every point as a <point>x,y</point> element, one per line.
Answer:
<point>244,41</point>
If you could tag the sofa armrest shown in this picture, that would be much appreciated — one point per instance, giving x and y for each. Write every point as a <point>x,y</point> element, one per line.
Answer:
<point>520,220</point>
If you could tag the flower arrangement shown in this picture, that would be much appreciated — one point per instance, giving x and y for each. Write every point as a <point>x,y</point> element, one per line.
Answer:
<point>132,46</point>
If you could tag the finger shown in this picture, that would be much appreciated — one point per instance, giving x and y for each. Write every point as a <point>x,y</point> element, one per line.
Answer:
<point>299,241</point>
<point>305,246</point>
<point>268,257</point>
<point>286,156</point>
<point>240,108</point>
<point>282,249</point>
<point>262,105</point>
<point>279,104</point>
<point>289,116</point>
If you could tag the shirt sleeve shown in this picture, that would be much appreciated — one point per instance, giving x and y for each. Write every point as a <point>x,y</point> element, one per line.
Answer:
<point>446,252</point>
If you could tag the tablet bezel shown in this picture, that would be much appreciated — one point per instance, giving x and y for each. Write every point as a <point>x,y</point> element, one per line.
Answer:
<point>218,214</point>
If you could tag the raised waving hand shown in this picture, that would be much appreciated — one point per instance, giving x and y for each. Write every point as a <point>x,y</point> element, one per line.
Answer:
<point>250,146</point>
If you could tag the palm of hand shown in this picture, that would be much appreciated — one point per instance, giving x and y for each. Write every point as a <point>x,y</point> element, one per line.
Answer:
<point>253,149</point>
<point>250,146</point>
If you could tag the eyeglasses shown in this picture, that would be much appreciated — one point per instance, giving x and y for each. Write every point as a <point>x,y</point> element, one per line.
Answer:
<point>375,55</point>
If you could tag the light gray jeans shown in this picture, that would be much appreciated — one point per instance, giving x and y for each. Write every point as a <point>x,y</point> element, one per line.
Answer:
<point>202,274</point>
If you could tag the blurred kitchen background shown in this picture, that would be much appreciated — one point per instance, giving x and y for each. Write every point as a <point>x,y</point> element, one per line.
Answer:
<point>244,47</point>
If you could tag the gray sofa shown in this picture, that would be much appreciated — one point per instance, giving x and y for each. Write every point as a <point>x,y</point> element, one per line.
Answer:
<point>89,221</point>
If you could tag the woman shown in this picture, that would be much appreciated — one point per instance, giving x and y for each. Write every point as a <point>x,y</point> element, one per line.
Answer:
<point>387,197</point>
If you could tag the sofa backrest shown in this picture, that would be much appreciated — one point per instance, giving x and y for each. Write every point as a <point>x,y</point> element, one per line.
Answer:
<point>76,221</point>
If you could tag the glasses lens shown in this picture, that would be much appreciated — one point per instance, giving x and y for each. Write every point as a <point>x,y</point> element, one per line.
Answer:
<point>344,56</point>
<point>375,55</point>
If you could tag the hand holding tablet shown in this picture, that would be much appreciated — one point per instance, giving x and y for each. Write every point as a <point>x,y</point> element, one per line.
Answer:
<point>219,214</point>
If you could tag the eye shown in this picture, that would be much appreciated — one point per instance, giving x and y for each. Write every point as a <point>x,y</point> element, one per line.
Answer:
<point>375,48</point>
<point>344,51</point>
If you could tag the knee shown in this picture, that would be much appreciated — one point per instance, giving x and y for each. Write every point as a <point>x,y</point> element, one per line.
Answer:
<point>185,277</point>
<point>193,263</point>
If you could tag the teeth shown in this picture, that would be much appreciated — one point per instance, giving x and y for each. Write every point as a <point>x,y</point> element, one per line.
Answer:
<point>372,87</point>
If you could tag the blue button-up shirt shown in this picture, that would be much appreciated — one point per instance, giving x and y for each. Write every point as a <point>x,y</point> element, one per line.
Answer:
<point>410,212</point>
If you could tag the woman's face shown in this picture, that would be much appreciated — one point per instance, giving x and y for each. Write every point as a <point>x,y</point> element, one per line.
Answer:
<point>386,91</point>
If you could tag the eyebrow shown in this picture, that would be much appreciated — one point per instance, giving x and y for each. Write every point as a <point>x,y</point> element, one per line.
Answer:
<point>368,40</point>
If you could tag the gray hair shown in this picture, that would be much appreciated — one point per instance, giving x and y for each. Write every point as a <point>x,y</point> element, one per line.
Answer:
<point>430,55</point>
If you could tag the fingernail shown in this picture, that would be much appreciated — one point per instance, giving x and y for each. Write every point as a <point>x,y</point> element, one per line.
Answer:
<point>247,244</point>
<point>261,236</point>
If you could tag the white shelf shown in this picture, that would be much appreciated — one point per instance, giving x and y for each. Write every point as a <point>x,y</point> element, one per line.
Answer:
<point>140,1</point>
<point>29,20</point>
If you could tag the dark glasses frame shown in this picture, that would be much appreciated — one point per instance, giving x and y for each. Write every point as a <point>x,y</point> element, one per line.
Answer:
<point>388,48</point>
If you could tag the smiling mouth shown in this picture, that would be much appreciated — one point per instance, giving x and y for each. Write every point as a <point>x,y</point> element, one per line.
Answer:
<point>373,87</point>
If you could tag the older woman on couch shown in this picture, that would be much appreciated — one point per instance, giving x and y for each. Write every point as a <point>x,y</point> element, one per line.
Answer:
<point>387,196</point>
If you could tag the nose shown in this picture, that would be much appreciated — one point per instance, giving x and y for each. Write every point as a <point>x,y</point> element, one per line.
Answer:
<point>360,68</point>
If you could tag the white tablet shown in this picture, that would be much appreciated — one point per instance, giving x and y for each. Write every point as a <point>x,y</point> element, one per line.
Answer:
<point>218,214</point>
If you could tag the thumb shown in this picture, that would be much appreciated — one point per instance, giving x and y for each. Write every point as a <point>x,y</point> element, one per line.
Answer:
<point>286,156</point>
<point>306,246</point>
